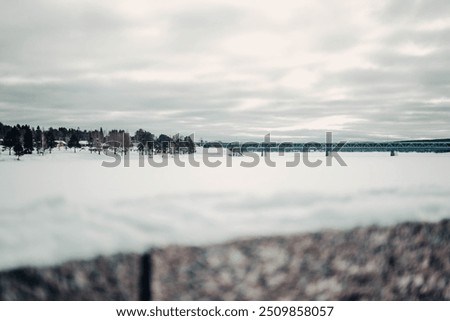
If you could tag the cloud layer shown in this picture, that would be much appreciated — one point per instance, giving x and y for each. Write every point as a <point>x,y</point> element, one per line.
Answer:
<point>229,69</point>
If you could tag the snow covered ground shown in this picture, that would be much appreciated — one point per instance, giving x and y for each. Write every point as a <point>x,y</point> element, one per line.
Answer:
<point>67,206</point>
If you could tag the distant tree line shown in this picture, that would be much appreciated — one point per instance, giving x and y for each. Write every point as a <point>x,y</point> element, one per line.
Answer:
<point>24,139</point>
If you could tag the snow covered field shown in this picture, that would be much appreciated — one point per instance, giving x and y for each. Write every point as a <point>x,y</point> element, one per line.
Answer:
<point>67,206</point>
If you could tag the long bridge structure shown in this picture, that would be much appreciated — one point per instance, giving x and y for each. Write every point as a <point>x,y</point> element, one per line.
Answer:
<point>420,146</point>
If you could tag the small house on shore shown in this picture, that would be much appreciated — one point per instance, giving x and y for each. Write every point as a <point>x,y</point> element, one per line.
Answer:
<point>60,143</point>
<point>83,143</point>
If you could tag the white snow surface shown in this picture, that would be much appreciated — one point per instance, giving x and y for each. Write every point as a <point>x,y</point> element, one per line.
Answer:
<point>65,205</point>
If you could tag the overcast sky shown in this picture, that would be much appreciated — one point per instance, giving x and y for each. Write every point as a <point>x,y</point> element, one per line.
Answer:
<point>229,69</point>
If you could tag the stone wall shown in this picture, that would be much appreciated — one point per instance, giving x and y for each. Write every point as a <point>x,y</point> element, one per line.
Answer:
<point>410,261</point>
<point>105,278</point>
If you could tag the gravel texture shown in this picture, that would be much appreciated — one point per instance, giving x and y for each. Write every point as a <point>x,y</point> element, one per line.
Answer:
<point>410,261</point>
<point>407,262</point>
<point>105,278</point>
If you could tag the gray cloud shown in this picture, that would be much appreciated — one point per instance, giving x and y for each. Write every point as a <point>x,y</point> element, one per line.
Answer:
<point>415,10</point>
<point>229,70</point>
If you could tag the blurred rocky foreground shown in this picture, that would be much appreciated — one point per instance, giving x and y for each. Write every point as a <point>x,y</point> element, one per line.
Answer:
<point>410,261</point>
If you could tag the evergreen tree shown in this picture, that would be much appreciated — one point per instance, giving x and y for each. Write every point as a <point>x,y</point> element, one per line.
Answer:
<point>4,129</point>
<point>190,144</point>
<point>8,141</point>
<point>12,138</point>
<point>176,143</point>
<point>141,148</point>
<point>18,150</point>
<point>38,138</point>
<point>74,142</point>
<point>163,143</point>
<point>28,141</point>
<point>63,133</point>
<point>145,140</point>
<point>49,140</point>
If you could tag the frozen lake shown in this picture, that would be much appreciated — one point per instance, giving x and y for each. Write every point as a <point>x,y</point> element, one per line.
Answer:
<point>67,206</point>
